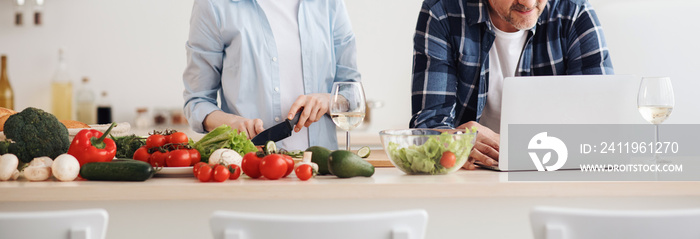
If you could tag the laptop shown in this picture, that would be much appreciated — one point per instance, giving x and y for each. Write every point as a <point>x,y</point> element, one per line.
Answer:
<point>589,99</point>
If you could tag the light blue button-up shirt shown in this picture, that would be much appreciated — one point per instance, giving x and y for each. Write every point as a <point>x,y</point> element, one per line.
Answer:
<point>232,52</point>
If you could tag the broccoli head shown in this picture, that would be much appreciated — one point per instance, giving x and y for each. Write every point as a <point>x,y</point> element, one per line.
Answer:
<point>36,133</point>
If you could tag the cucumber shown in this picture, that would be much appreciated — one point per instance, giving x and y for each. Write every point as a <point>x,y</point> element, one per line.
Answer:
<point>117,170</point>
<point>346,164</point>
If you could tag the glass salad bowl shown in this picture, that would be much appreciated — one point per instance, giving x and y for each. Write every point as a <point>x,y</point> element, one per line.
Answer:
<point>428,151</point>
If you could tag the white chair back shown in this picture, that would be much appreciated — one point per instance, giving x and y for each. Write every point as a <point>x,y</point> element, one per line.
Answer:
<point>567,223</point>
<point>71,224</point>
<point>410,224</point>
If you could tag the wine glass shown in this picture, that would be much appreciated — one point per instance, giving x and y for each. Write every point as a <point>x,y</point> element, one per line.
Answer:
<point>655,102</point>
<point>347,106</point>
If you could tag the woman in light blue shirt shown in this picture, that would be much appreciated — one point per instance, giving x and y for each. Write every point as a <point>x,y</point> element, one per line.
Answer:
<point>266,60</point>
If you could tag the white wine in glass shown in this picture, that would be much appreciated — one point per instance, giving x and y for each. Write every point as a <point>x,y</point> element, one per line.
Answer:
<point>655,102</point>
<point>347,107</point>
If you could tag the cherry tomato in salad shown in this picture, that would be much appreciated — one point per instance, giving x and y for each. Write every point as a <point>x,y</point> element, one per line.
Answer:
<point>221,173</point>
<point>178,138</point>
<point>290,165</point>
<point>205,173</point>
<point>273,166</point>
<point>234,170</point>
<point>304,172</point>
<point>251,165</point>
<point>448,159</point>
<point>157,159</point>
<point>195,157</point>
<point>142,154</point>
<point>155,140</point>
<point>178,158</point>
<point>195,168</point>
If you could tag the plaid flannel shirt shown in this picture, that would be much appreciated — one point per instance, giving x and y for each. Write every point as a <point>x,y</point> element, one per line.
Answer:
<point>451,49</point>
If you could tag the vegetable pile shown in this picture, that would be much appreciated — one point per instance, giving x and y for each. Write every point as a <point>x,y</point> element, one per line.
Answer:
<point>428,157</point>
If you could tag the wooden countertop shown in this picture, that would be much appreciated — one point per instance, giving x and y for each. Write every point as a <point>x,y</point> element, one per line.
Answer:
<point>387,182</point>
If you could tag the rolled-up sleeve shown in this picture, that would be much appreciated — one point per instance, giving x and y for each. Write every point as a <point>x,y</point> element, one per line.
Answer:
<point>344,45</point>
<point>434,83</point>
<point>202,76</point>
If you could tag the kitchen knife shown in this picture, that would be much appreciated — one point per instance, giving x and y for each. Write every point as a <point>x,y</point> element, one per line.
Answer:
<point>278,132</point>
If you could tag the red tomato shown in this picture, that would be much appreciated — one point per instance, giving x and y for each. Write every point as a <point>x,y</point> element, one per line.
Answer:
<point>178,158</point>
<point>221,173</point>
<point>290,165</point>
<point>448,159</point>
<point>273,166</point>
<point>235,171</point>
<point>205,173</point>
<point>157,159</point>
<point>177,138</point>
<point>155,140</point>
<point>195,168</point>
<point>195,157</point>
<point>304,172</point>
<point>251,165</point>
<point>142,154</point>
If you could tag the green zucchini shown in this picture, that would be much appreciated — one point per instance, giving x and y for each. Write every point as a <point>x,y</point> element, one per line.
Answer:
<point>117,170</point>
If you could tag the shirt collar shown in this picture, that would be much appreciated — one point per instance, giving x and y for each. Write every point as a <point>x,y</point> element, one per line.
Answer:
<point>477,11</point>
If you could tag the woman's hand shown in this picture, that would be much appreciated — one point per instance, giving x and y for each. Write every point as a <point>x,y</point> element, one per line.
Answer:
<point>313,107</point>
<point>251,127</point>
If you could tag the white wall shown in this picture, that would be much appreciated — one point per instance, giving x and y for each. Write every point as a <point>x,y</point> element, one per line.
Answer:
<point>135,50</point>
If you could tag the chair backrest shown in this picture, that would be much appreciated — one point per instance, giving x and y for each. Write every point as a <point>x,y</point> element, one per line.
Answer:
<point>567,223</point>
<point>70,224</point>
<point>409,224</point>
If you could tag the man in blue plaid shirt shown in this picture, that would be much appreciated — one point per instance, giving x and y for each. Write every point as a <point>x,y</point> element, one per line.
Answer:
<point>463,49</point>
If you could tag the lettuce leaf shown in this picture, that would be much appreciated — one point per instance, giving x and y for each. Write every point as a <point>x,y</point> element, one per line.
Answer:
<point>425,158</point>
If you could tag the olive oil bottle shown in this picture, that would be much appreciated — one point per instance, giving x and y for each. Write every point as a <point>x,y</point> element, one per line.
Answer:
<point>7,97</point>
<point>62,91</point>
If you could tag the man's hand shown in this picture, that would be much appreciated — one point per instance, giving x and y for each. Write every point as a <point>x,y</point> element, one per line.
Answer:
<point>251,127</point>
<point>485,148</point>
<point>313,107</point>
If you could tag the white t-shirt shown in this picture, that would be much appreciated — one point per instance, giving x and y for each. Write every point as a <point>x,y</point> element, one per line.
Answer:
<point>283,18</point>
<point>503,62</point>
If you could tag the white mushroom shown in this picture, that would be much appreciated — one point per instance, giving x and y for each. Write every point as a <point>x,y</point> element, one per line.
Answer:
<point>8,165</point>
<point>307,160</point>
<point>225,157</point>
<point>65,167</point>
<point>15,174</point>
<point>37,170</point>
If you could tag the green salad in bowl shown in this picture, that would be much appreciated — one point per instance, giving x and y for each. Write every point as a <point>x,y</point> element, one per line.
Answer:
<point>428,151</point>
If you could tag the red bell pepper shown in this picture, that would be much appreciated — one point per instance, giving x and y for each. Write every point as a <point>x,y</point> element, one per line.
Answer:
<point>91,145</point>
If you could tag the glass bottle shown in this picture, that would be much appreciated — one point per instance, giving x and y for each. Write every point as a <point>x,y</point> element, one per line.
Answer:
<point>7,97</point>
<point>62,91</point>
<point>143,120</point>
<point>86,109</point>
<point>104,110</point>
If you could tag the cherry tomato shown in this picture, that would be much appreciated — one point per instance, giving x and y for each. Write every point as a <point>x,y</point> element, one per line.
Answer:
<point>205,173</point>
<point>142,154</point>
<point>195,168</point>
<point>195,157</point>
<point>155,140</point>
<point>221,173</point>
<point>448,159</point>
<point>273,166</point>
<point>177,138</point>
<point>178,158</point>
<point>251,165</point>
<point>304,172</point>
<point>235,171</point>
<point>290,165</point>
<point>157,159</point>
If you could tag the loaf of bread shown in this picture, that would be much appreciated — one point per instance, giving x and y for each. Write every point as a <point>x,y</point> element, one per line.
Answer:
<point>4,114</point>
<point>72,124</point>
